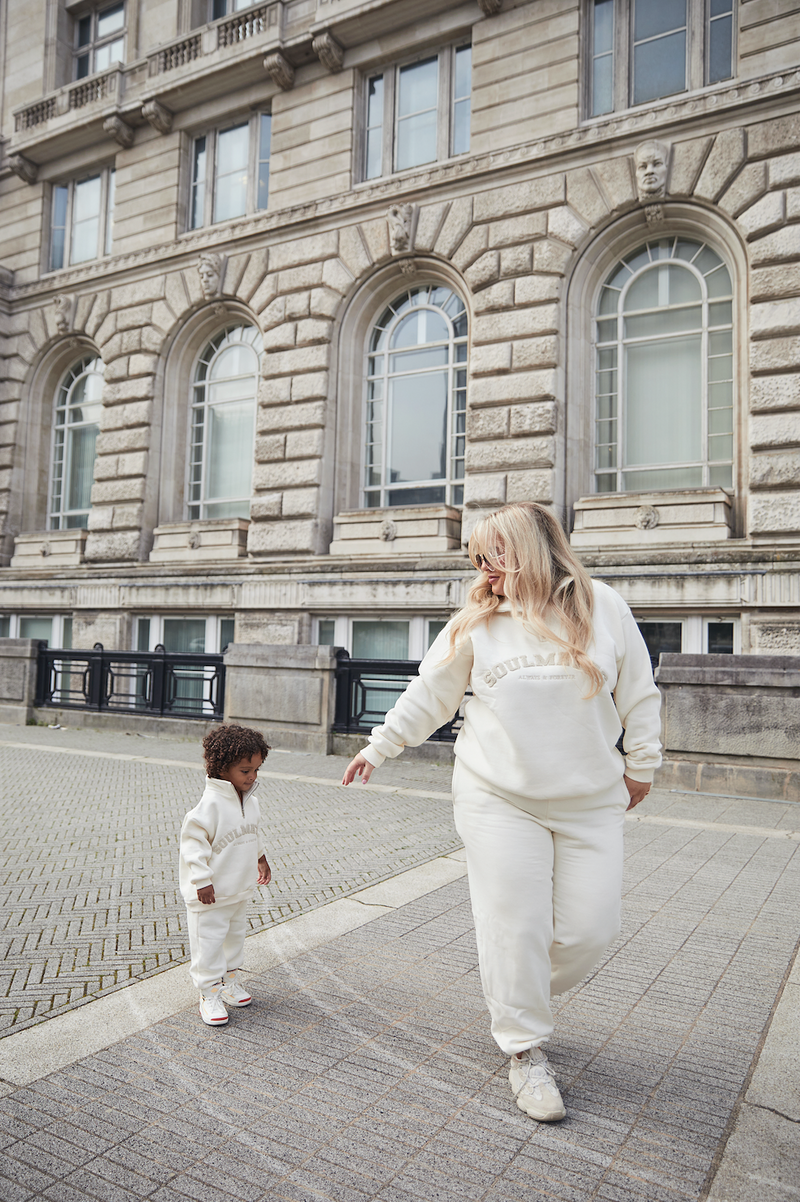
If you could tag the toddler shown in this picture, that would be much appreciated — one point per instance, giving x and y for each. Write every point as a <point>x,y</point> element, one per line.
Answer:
<point>221,859</point>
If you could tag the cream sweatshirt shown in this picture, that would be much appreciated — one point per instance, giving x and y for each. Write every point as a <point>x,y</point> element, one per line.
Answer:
<point>529,728</point>
<point>220,844</point>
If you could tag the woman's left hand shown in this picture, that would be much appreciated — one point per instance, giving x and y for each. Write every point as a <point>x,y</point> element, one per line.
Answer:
<point>637,789</point>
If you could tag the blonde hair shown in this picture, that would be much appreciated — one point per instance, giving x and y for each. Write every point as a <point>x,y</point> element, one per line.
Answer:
<point>548,589</point>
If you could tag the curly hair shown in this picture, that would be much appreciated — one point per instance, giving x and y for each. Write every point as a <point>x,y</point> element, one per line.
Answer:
<point>228,745</point>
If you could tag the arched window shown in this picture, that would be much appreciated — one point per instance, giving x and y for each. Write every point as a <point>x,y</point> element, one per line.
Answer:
<point>417,400</point>
<point>77,414</point>
<point>664,370</point>
<point>223,425</point>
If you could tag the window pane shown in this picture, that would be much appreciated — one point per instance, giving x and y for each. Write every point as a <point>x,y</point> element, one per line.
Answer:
<point>603,25</point>
<point>81,456</point>
<point>380,640</point>
<point>434,630</point>
<point>112,52</point>
<point>603,85</point>
<point>5,625</point>
<point>420,327</point>
<point>185,634</point>
<point>416,106</point>
<point>374,149</point>
<point>226,632</point>
<point>721,476</point>
<point>198,184</point>
<point>720,39</point>
<point>84,31</point>
<point>112,183</point>
<point>720,638</point>
<point>654,17</point>
<point>85,220</point>
<point>326,633</point>
<point>665,478</point>
<point>110,20</point>
<point>36,628</point>
<point>264,147</point>
<point>143,634</point>
<point>230,191</point>
<point>230,458</point>
<point>58,235</point>
<point>661,636</point>
<point>462,92</point>
<point>659,67</point>
<point>418,87</point>
<point>664,402</point>
<point>418,403</point>
<point>663,322</point>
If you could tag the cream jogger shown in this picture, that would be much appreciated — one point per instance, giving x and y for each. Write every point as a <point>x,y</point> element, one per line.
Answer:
<point>216,937</point>
<point>546,885</point>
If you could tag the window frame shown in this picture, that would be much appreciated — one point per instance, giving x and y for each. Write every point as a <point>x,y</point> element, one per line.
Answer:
<point>697,64</point>
<point>202,500</point>
<point>57,519</point>
<point>253,122</point>
<point>419,632</point>
<point>105,218</point>
<point>695,629</point>
<point>61,624</point>
<point>154,635</point>
<point>455,431</point>
<point>96,42</point>
<point>624,341</point>
<point>445,106</point>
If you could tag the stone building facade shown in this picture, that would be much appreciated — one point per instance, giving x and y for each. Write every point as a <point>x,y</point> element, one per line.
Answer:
<point>292,292</point>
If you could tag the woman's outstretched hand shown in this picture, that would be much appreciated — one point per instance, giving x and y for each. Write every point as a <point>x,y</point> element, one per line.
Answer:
<point>358,767</point>
<point>637,790</point>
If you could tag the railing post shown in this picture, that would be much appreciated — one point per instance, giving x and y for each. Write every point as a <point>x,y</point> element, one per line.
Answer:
<point>159,678</point>
<point>341,710</point>
<point>42,673</point>
<point>96,678</point>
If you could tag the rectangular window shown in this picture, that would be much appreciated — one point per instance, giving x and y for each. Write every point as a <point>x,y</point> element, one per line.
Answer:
<point>99,40</point>
<point>230,172</point>
<point>380,638</point>
<point>690,635</point>
<point>81,222</point>
<point>644,50</point>
<point>184,635</point>
<point>417,112</point>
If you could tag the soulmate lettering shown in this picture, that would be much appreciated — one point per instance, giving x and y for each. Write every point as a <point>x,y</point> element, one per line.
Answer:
<point>247,828</point>
<point>557,659</point>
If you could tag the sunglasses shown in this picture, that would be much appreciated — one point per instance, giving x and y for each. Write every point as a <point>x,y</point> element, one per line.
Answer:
<point>497,559</point>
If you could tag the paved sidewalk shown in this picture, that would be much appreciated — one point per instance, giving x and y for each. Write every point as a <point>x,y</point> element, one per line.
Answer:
<point>365,1071</point>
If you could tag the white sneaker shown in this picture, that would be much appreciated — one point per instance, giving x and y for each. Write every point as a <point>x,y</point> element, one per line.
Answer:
<point>212,1007</point>
<point>234,994</point>
<point>534,1086</point>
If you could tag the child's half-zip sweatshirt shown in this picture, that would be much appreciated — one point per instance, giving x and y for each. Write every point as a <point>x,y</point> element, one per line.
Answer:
<point>220,844</point>
<point>529,728</point>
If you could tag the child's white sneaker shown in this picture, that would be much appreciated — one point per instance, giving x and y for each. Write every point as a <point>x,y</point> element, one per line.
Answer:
<point>212,1007</point>
<point>234,994</point>
<point>534,1086</point>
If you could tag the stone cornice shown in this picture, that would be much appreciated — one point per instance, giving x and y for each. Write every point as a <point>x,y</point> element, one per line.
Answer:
<point>707,111</point>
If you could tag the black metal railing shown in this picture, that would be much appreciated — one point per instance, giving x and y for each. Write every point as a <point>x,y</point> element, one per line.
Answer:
<point>367,688</point>
<point>168,683</point>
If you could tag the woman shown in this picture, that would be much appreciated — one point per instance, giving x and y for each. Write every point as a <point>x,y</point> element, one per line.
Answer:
<point>557,668</point>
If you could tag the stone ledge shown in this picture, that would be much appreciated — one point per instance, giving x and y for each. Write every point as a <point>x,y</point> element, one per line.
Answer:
<point>49,549</point>
<point>411,530</point>
<point>190,542</point>
<point>626,520</point>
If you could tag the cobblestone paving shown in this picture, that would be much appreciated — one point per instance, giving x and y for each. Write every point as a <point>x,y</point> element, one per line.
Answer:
<point>364,1071</point>
<point>88,891</point>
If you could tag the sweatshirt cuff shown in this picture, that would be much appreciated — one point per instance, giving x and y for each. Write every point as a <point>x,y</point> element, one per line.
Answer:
<point>204,883</point>
<point>643,775</point>
<point>372,755</point>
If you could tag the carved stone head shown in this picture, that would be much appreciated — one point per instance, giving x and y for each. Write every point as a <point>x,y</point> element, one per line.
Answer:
<point>63,307</point>
<point>651,171</point>
<point>400,218</point>
<point>209,268</point>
